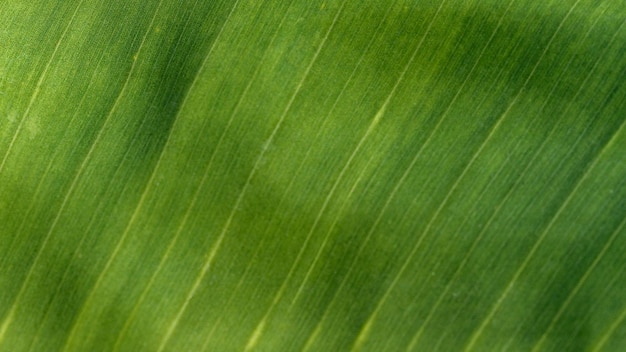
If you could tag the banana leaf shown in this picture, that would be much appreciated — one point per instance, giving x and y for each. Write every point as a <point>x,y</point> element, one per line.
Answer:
<point>323,175</point>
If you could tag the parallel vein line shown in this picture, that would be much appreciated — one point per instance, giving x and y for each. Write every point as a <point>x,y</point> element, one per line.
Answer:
<point>498,208</point>
<point>286,192</point>
<point>35,94</point>
<point>151,179</point>
<point>559,166</point>
<point>70,191</point>
<point>579,285</point>
<point>187,212</point>
<point>377,117</point>
<point>41,182</point>
<point>372,125</point>
<point>477,239</point>
<point>367,326</point>
<point>9,317</point>
<point>605,247</point>
<point>99,136</point>
<point>539,241</point>
<point>482,326</point>
<point>610,331</point>
<point>258,247</point>
<point>209,260</point>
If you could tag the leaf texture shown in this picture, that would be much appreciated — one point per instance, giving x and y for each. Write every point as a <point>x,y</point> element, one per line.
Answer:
<point>313,175</point>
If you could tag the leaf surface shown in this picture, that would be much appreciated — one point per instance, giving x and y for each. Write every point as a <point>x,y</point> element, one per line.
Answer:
<point>320,175</point>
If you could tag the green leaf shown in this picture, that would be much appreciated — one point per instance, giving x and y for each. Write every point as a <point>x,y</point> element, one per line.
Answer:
<point>323,175</point>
